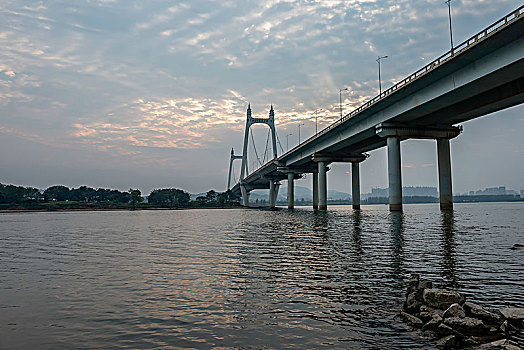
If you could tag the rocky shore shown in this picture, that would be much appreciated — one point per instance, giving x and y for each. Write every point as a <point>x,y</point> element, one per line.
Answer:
<point>454,322</point>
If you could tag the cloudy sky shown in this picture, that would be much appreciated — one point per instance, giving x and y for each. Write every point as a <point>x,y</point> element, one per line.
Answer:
<point>152,93</point>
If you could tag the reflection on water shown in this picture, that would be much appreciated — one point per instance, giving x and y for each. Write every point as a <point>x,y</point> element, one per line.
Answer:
<point>357,235</point>
<point>397,245</point>
<point>448,249</point>
<point>245,278</point>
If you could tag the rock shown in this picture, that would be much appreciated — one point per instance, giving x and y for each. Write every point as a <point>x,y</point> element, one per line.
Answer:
<point>517,246</point>
<point>477,311</point>
<point>422,285</point>
<point>508,328</point>
<point>443,329</point>
<point>503,344</point>
<point>455,310</point>
<point>425,284</point>
<point>426,316</point>
<point>504,327</point>
<point>466,325</point>
<point>432,324</point>
<point>412,320</point>
<point>441,298</point>
<point>449,341</point>
<point>431,310</point>
<point>412,305</point>
<point>428,313</point>
<point>412,283</point>
<point>513,313</point>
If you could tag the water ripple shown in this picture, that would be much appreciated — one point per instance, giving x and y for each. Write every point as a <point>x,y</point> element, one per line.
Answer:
<point>245,278</point>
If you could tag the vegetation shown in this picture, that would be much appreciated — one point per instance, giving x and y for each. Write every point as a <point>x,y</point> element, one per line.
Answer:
<point>61,197</point>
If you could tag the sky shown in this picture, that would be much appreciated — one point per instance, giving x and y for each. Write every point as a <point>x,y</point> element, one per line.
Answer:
<point>153,94</point>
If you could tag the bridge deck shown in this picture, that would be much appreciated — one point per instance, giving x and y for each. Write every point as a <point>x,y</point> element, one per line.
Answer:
<point>484,74</point>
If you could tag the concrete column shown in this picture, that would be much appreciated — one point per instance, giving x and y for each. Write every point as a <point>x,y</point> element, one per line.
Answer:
<point>355,185</point>
<point>275,196</point>
<point>245,196</point>
<point>322,186</point>
<point>290,190</point>
<point>394,174</point>
<point>315,190</point>
<point>444,174</point>
<point>272,201</point>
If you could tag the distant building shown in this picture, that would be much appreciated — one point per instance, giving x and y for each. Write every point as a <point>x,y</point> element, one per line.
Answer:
<point>379,192</point>
<point>408,191</point>
<point>424,191</point>
<point>521,193</point>
<point>490,191</point>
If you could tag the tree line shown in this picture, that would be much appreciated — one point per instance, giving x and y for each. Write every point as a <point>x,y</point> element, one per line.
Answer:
<point>11,195</point>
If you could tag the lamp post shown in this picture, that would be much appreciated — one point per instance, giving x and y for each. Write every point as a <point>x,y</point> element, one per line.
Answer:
<point>287,141</point>
<point>299,125</point>
<point>379,79</point>
<point>340,100</point>
<point>316,119</point>
<point>448,2</point>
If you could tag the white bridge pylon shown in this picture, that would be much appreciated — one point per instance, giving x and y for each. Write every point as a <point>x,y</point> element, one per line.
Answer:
<point>250,121</point>
<point>244,171</point>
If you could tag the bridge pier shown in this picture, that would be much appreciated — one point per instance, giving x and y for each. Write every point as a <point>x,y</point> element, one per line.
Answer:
<point>290,190</point>
<point>394,174</point>
<point>444,174</point>
<point>355,185</point>
<point>273,193</point>
<point>315,190</point>
<point>394,133</point>
<point>245,195</point>
<point>322,186</point>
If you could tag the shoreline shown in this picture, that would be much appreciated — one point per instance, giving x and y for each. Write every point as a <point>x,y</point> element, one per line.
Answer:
<point>6,211</point>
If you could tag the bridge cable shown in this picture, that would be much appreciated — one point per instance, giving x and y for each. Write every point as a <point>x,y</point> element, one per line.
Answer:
<point>267,147</point>
<point>278,139</point>
<point>255,148</point>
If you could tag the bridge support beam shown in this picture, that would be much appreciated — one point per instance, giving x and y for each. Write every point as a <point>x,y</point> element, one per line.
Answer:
<point>394,174</point>
<point>273,193</point>
<point>394,133</point>
<point>322,186</point>
<point>245,196</point>
<point>444,174</point>
<point>355,185</point>
<point>315,190</point>
<point>290,190</point>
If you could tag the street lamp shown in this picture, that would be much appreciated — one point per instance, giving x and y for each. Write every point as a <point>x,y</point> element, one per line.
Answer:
<point>300,124</point>
<point>287,141</point>
<point>316,119</point>
<point>448,2</point>
<point>379,80</point>
<point>340,100</point>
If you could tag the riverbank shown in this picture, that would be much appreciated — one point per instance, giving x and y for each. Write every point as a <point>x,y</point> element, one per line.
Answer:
<point>20,209</point>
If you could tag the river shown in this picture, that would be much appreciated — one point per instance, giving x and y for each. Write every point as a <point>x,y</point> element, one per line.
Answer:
<point>242,278</point>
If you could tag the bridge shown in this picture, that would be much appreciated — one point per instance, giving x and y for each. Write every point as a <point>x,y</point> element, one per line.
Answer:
<point>482,75</point>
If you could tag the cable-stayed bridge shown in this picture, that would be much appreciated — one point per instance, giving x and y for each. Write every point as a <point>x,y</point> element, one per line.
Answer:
<point>482,75</point>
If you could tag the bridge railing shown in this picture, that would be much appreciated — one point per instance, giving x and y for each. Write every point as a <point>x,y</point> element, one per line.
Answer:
<point>462,47</point>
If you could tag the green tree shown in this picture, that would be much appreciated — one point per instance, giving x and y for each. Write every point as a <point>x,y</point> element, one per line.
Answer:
<point>57,193</point>
<point>84,194</point>
<point>18,194</point>
<point>169,197</point>
<point>211,196</point>
<point>135,196</point>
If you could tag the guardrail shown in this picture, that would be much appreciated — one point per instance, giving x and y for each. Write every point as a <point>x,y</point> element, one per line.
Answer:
<point>457,50</point>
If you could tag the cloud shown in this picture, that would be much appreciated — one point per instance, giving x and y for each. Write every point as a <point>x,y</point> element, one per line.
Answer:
<point>139,78</point>
<point>168,123</point>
